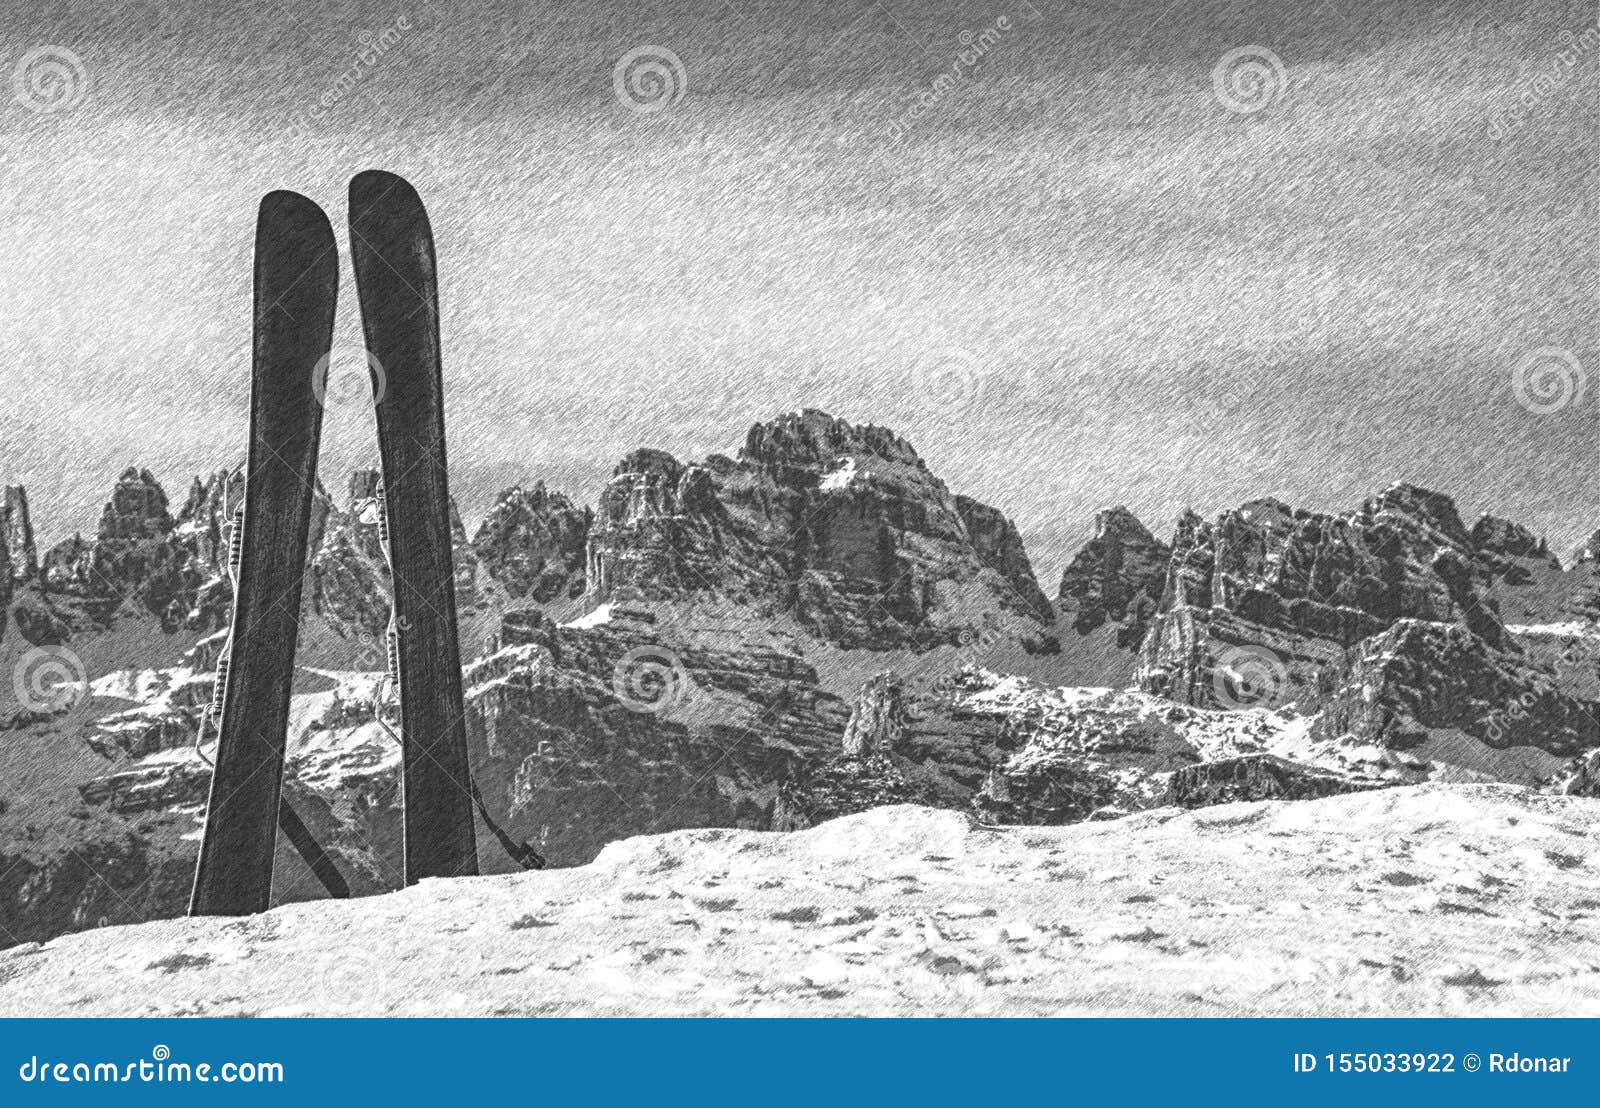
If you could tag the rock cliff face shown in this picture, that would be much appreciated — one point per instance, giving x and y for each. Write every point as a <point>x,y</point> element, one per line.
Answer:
<point>1419,688</point>
<point>1504,540</point>
<point>683,697</point>
<point>109,872</point>
<point>875,764</point>
<point>19,557</point>
<point>999,546</point>
<point>582,735</point>
<point>839,527</point>
<point>1579,777</point>
<point>842,527</point>
<point>1588,552</point>
<point>349,593</point>
<point>1390,621</point>
<point>1305,586</point>
<point>878,719</point>
<point>349,580</point>
<point>137,560</point>
<point>535,543</point>
<point>1116,578</point>
<point>141,562</point>
<point>16,530</point>
<point>1252,777</point>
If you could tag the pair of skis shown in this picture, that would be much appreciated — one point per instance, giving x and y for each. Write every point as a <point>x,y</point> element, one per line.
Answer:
<point>296,281</point>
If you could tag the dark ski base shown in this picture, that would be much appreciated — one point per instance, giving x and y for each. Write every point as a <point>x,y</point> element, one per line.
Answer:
<point>296,279</point>
<point>391,244</point>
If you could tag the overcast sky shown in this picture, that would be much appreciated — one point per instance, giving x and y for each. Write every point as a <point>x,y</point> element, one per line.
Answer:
<point>1076,278</point>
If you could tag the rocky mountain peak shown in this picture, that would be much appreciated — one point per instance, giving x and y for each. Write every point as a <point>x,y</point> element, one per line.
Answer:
<point>1417,503</point>
<point>1589,552</point>
<point>537,498</point>
<point>1304,586</point>
<point>140,557</point>
<point>1388,620</point>
<point>1121,525</point>
<point>534,542</point>
<point>655,533</point>
<point>365,485</point>
<point>137,508</point>
<point>1475,610</point>
<point>349,586</point>
<point>207,515</point>
<point>840,524</point>
<point>16,530</point>
<point>647,461</point>
<point>1494,535</point>
<point>1264,511</point>
<point>1117,577</point>
<point>812,440</point>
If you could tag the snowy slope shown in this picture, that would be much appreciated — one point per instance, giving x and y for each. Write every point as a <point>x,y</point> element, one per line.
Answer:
<point>1466,899</point>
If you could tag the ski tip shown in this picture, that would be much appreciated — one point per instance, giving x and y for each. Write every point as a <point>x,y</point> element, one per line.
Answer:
<point>373,186</point>
<point>281,207</point>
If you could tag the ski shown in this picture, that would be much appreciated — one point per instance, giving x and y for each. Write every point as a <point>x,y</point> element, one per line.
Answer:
<point>296,280</point>
<point>391,245</point>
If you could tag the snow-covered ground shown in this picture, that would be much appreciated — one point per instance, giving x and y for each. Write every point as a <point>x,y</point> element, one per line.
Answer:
<point>1433,899</point>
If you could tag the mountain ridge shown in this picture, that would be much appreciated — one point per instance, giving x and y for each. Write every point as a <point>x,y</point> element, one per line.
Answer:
<point>811,628</point>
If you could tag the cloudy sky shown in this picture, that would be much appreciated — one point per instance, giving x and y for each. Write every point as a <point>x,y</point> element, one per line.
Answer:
<point>1038,239</point>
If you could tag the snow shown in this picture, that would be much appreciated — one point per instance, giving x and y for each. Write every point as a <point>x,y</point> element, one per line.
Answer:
<point>1432,899</point>
<point>839,478</point>
<point>1213,733</point>
<point>597,618</point>
<point>1573,629</point>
